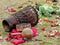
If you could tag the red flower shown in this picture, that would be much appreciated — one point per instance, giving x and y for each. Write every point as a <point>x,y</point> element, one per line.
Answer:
<point>8,39</point>
<point>14,31</point>
<point>34,31</point>
<point>16,42</point>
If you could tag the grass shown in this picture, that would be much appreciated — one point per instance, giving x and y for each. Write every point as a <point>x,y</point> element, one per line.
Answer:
<point>21,4</point>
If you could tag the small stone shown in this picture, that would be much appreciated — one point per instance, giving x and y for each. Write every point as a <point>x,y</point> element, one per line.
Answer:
<point>52,35</point>
<point>1,38</point>
<point>59,24</point>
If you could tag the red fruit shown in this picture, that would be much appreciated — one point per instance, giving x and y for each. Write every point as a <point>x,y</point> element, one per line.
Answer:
<point>56,33</point>
<point>43,29</point>
<point>13,10</point>
<point>51,21</point>
<point>53,24</point>
<point>10,9</point>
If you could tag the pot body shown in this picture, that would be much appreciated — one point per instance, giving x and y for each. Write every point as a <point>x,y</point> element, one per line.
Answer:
<point>26,15</point>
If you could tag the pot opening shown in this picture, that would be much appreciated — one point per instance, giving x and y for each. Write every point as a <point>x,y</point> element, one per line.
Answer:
<point>6,25</point>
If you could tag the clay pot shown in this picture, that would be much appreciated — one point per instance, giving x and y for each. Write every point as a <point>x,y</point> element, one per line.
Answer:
<point>26,15</point>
